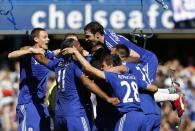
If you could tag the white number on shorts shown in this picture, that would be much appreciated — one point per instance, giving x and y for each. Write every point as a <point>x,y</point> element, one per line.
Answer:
<point>127,97</point>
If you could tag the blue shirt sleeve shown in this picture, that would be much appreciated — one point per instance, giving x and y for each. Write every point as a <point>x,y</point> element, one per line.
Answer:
<point>113,39</point>
<point>78,71</point>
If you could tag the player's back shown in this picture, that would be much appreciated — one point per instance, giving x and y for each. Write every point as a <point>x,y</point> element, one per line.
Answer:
<point>148,104</point>
<point>125,87</point>
<point>69,103</point>
<point>33,80</point>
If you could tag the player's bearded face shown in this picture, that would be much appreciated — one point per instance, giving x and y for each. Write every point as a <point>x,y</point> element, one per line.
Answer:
<point>89,37</point>
<point>43,39</point>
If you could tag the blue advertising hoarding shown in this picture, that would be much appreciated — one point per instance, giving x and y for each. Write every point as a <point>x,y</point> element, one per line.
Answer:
<point>75,15</point>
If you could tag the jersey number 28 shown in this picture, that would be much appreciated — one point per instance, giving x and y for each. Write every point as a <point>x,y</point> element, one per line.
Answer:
<point>127,97</point>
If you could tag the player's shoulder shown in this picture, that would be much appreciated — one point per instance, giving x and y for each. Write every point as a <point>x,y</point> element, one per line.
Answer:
<point>112,34</point>
<point>110,75</point>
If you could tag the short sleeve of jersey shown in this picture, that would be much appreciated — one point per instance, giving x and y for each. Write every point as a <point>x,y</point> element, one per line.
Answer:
<point>78,71</point>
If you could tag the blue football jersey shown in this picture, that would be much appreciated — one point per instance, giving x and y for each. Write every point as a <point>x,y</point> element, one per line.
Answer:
<point>125,87</point>
<point>69,103</point>
<point>112,39</point>
<point>33,80</point>
<point>148,104</point>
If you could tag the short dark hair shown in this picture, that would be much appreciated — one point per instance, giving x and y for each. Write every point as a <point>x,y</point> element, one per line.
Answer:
<point>100,45</point>
<point>66,43</point>
<point>35,33</point>
<point>111,59</point>
<point>123,50</point>
<point>94,27</point>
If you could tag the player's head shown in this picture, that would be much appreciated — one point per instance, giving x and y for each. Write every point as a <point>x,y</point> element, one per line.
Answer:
<point>99,50</point>
<point>40,37</point>
<point>70,43</point>
<point>108,61</point>
<point>96,47</point>
<point>121,50</point>
<point>72,36</point>
<point>94,32</point>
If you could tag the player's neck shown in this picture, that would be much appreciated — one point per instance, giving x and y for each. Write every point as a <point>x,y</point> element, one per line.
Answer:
<point>36,45</point>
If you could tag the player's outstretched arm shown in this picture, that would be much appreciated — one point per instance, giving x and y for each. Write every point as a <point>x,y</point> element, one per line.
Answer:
<point>95,89</point>
<point>24,51</point>
<point>87,66</point>
<point>152,88</point>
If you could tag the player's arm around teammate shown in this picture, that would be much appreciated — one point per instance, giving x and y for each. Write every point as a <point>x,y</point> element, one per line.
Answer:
<point>24,51</point>
<point>85,80</point>
<point>94,71</point>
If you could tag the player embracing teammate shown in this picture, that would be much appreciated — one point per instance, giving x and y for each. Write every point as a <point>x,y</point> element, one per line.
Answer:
<point>132,84</point>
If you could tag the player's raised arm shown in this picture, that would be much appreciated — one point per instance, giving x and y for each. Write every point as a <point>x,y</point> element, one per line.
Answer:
<point>24,51</point>
<point>87,66</point>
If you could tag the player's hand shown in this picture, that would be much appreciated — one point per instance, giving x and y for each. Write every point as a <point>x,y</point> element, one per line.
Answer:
<point>85,53</point>
<point>68,51</point>
<point>113,100</point>
<point>37,51</point>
